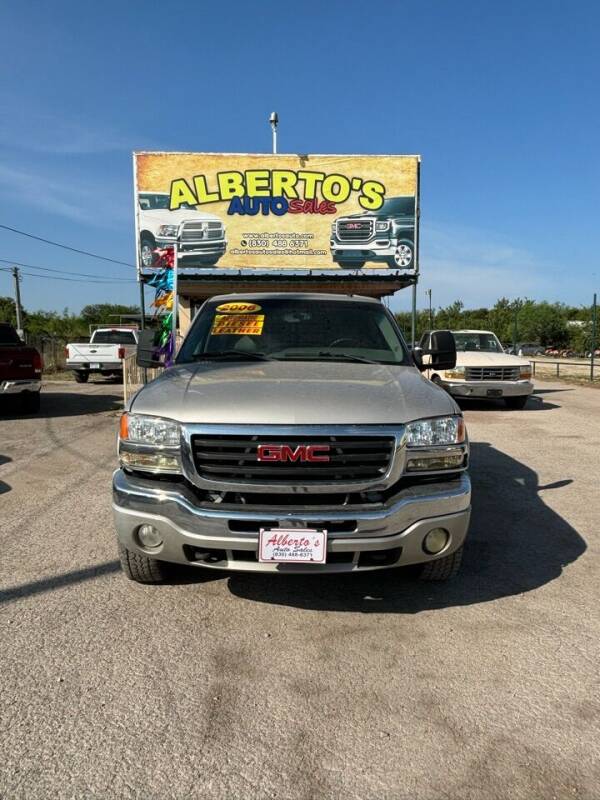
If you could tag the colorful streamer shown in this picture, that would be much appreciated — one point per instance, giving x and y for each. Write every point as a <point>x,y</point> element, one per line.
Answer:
<point>162,281</point>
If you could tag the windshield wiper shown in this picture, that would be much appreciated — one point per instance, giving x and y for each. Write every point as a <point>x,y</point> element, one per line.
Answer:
<point>227,355</point>
<point>332,356</point>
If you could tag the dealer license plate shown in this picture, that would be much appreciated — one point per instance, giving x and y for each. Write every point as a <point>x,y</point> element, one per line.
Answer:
<point>292,545</point>
<point>95,365</point>
<point>494,392</point>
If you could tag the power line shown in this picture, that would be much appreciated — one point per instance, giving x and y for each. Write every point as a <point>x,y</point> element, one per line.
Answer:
<point>54,269</point>
<point>73,280</point>
<point>66,246</point>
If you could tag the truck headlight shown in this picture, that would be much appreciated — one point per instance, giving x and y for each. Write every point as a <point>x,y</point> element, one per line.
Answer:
<point>382,226</point>
<point>167,230</point>
<point>149,444</point>
<point>455,372</point>
<point>140,429</point>
<point>436,431</point>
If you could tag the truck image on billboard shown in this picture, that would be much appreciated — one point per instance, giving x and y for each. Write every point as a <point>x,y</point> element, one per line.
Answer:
<point>278,211</point>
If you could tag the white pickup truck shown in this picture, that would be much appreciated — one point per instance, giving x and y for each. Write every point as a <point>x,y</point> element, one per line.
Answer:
<point>103,354</point>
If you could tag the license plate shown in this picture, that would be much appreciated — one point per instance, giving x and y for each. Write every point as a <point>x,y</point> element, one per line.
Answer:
<point>292,546</point>
<point>95,365</point>
<point>494,392</point>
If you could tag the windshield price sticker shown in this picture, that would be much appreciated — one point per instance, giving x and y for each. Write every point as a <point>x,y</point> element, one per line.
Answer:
<point>238,324</point>
<point>238,308</point>
<point>293,545</point>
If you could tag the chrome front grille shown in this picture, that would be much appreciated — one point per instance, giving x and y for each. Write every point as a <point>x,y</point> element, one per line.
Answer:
<point>355,230</point>
<point>235,458</point>
<point>195,231</point>
<point>492,373</point>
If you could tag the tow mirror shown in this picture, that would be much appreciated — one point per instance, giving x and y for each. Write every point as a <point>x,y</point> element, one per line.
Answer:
<point>146,355</point>
<point>442,350</point>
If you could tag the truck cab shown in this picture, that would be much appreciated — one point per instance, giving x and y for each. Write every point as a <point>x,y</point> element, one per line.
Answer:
<point>295,433</point>
<point>20,370</point>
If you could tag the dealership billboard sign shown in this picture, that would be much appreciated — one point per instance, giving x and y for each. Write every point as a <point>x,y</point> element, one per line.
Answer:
<point>280,212</point>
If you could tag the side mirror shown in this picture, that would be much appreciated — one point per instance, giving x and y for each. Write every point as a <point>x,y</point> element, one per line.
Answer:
<point>442,350</point>
<point>417,354</point>
<point>146,355</point>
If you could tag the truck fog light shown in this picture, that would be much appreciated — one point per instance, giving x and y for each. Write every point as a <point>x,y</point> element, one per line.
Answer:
<point>433,462</point>
<point>435,541</point>
<point>149,536</point>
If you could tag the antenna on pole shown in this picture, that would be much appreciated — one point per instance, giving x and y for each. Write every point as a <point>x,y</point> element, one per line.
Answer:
<point>274,122</point>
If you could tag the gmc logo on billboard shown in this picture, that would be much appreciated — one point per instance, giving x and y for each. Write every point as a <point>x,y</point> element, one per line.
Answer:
<point>283,452</point>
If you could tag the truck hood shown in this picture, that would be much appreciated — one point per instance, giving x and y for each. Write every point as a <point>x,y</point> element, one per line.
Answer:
<point>163,216</point>
<point>472,358</point>
<point>293,393</point>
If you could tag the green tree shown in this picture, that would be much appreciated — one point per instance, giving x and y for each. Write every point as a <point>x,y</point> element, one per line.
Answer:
<point>99,313</point>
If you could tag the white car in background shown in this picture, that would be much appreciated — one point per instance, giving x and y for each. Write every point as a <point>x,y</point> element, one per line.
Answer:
<point>483,369</point>
<point>202,236</point>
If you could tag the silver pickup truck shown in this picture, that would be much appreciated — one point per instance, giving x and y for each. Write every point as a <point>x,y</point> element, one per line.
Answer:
<point>295,433</point>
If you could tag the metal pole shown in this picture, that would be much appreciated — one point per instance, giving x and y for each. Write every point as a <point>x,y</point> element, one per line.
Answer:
<point>175,294</point>
<point>428,291</point>
<point>274,121</point>
<point>18,308</point>
<point>413,322</point>
<point>594,312</point>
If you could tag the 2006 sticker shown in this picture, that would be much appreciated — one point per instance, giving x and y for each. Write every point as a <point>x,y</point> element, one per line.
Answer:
<point>238,308</point>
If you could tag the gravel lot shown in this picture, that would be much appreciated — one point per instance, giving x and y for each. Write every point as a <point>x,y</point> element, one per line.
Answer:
<point>366,687</point>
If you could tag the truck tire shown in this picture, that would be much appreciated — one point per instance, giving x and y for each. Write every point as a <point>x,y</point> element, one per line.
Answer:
<point>147,247</point>
<point>442,569</point>
<point>516,402</point>
<point>81,376</point>
<point>140,568</point>
<point>351,264</point>
<point>31,402</point>
<point>403,257</point>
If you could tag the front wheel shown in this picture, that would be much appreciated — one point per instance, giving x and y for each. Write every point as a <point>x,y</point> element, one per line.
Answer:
<point>403,256</point>
<point>442,569</point>
<point>147,247</point>
<point>140,568</point>
<point>516,402</point>
<point>81,376</point>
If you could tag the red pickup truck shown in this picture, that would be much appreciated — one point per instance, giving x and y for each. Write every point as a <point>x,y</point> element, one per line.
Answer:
<point>20,370</point>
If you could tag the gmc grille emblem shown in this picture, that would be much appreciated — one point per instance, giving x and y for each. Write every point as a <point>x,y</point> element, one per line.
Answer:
<point>283,452</point>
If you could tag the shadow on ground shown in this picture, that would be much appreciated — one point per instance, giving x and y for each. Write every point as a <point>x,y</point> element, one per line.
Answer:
<point>64,404</point>
<point>4,487</point>
<point>534,403</point>
<point>516,544</point>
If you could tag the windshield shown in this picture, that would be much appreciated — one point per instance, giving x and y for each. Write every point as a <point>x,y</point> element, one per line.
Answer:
<point>397,207</point>
<point>113,337</point>
<point>151,202</point>
<point>294,329</point>
<point>9,335</point>
<point>481,342</point>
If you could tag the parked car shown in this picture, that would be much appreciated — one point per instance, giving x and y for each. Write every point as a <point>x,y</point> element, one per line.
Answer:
<point>387,235</point>
<point>103,354</point>
<point>297,436</point>
<point>525,349</point>
<point>20,370</point>
<point>483,369</point>
<point>202,239</point>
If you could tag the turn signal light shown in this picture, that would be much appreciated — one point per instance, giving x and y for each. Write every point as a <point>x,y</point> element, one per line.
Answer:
<point>124,427</point>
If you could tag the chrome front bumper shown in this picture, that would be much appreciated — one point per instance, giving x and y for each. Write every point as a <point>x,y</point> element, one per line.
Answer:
<point>399,526</point>
<point>18,386</point>
<point>483,388</point>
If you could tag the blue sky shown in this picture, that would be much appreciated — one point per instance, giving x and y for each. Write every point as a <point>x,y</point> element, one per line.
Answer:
<point>500,99</point>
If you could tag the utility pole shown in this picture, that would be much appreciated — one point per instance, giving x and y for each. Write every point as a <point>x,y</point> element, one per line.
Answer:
<point>274,120</point>
<point>428,292</point>
<point>18,308</point>
<point>594,313</point>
